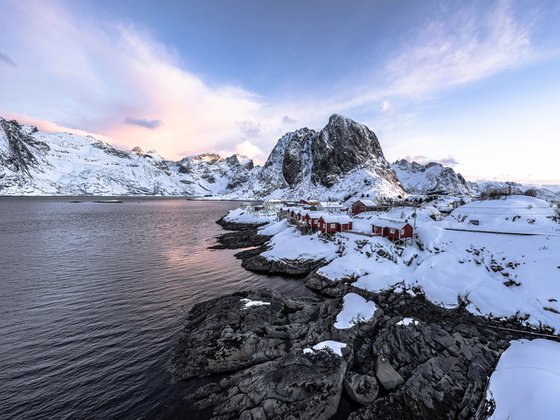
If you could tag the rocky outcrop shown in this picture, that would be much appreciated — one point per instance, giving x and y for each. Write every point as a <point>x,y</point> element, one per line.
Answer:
<point>260,264</point>
<point>435,365</point>
<point>243,235</point>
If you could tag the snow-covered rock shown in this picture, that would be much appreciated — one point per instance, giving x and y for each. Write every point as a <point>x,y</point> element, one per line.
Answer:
<point>431,178</point>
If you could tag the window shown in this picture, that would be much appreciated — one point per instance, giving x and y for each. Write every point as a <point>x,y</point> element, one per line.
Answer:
<point>392,231</point>
<point>402,231</point>
<point>332,225</point>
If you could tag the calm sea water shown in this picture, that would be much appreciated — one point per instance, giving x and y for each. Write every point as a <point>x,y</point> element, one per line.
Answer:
<point>92,296</point>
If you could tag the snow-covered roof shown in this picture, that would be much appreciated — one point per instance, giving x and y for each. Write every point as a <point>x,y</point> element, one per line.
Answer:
<point>314,214</point>
<point>393,224</point>
<point>367,203</point>
<point>332,218</point>
<point>330,204</point>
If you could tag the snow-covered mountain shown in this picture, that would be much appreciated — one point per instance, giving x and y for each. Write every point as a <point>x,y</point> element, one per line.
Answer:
<point>431,178</point>
<point>342,160</point>
<point>33,162</point>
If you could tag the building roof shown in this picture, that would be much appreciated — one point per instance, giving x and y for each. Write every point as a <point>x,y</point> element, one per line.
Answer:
<point>393,224</point>
<point>314,214</point>
<point>367,203</point>
<point>330,204</point>
<point>332,218</point>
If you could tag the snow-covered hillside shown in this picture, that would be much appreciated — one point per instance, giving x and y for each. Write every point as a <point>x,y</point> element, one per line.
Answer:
<point>342,160</point>
<point>33,162</point>
<point>504,266</point>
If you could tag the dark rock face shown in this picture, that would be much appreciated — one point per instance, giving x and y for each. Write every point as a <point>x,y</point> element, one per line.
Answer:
<point>342,146</point>
<point>295,386</point>
<point>264,345</point>
<point>19,156</point>
<point>435,367</point>
<point>322,158</point>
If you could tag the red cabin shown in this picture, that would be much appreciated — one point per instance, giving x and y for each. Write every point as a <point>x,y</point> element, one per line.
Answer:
<point>361,206</point>
<point>393,230</point>
<point>329,223</point>
<point>311,218</point>
<point>377,230</point>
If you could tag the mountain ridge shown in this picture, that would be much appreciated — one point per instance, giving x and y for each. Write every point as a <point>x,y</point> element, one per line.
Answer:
<point>342,160</point>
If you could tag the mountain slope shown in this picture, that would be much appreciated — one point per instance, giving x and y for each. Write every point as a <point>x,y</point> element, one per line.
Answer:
<point>432,178</point>
<point>38,163</point>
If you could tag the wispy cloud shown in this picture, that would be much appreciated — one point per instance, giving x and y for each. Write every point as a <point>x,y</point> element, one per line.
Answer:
<point>4,59</point>
<point>470,45</point>
<point>101,77</point>
<point>143,122</point>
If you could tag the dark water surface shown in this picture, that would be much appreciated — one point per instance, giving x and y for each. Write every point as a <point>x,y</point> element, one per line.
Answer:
<point>92,296</point>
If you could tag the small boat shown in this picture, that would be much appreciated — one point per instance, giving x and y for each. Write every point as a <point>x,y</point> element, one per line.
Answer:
<point>108,201</point>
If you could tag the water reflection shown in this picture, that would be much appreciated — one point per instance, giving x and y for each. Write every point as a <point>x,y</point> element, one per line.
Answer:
<point>92,295</point>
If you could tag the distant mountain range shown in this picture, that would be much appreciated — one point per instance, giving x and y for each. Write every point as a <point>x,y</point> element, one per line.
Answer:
<point>341,161</point>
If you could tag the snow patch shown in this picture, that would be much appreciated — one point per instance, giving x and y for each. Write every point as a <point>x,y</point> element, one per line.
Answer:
<point>526,381</point>
<point>335,346</point>
<point>355,309</point>
<point>408,321</point>
<point>248,303</point>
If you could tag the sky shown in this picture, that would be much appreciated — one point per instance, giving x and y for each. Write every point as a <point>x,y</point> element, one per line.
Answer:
<point>474,85</point>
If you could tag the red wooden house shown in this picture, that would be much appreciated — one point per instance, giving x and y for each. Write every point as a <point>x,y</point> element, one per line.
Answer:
<point>392,230</point>
<point>311,219</point>
<point>329,223</point>
<point>362,205</point>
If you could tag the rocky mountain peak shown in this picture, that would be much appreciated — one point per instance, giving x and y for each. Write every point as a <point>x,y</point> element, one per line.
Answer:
<point>342,146</point>
<point>137,150</point>
<point>240,160</point>
<point>210,158</point>
<point>430,178</point>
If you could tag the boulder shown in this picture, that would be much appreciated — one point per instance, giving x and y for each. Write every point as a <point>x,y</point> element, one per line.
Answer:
<point>386,374</point>
<point>362,389</point>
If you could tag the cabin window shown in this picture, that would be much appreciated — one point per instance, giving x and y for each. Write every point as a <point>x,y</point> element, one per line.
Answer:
<point>332,225</point>
<point>392,231</point>
<point>402,231</point>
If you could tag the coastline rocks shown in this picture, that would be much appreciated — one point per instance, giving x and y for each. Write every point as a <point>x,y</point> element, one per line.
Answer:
<point>244,235</point>
<point>260,264</point>
<point>238,226</point>
<point>298,385</point>
<point>434,365</point>
<point>248,328</point>
<point>325,286</point>
<point>259,338</point>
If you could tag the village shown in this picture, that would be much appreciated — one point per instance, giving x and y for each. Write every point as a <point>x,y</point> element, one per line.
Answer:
<point>330,217</point>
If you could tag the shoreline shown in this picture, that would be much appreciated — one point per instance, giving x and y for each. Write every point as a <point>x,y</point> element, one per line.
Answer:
<point>453,343</point>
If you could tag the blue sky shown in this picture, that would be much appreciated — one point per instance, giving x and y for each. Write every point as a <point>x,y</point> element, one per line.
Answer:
<point>473,84</point>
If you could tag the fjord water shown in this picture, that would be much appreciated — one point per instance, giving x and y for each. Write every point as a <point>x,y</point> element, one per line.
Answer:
<point>92,296</point>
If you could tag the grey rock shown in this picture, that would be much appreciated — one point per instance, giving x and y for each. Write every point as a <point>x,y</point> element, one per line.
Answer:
<point>297,385</point>
<point>386,374</point>
<point>363,389</point>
